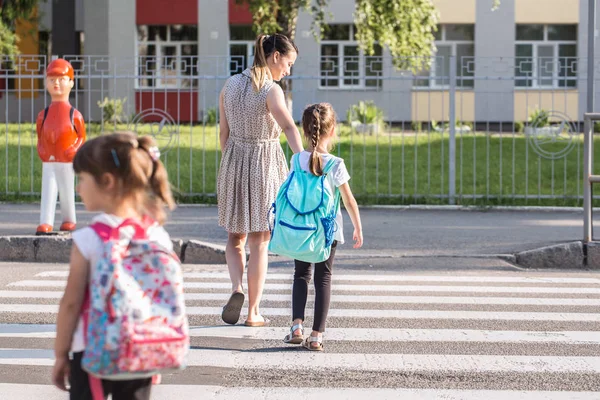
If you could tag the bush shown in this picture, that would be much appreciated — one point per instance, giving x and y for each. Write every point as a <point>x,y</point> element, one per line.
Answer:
<point>112,109</point>
<point>418,126</point>
<point>210,116</point>
<point>539,118</point>
<point>365,112</point>
<point>519,126</point>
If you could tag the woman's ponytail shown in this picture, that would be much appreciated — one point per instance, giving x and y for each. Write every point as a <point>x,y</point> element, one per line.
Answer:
<point>260,68</point>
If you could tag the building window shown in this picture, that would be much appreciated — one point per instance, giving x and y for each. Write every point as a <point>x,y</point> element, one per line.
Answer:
<point>167,56</point>
<point>456,40</point>
<point>344,65</point>
<point>546,56</point>
<point>241,48</point>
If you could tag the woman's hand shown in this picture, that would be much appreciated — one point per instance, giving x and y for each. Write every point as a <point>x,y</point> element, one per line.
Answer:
<point>60,372</point>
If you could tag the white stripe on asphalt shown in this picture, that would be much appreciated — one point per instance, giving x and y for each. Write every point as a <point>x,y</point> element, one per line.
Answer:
<point>362,313</point>
<point>355,334</point>
<point>364,288</point>
<point>169,392</point>
<point>381,278</point>
<point>308,361</point>
<point>404,335</point>
<point>190,296</point>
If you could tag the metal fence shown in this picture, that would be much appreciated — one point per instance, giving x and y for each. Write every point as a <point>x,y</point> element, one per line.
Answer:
<point>461,131</point>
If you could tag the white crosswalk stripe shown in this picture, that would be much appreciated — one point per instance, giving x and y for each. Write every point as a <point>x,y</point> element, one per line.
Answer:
<point>166,392</point>
<point>391,325</point>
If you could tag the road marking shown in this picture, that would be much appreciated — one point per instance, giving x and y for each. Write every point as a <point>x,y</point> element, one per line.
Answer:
<point>308,361</point>
<point>168,392</point>
<point>193,296</point>
<point>381,278</point>
<point>405,335</point>
<point>362,288</point>
<point>362,313</point>
<point>355,334</point>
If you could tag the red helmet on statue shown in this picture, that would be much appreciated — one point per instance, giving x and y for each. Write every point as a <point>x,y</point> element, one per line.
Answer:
<point>60,67</point>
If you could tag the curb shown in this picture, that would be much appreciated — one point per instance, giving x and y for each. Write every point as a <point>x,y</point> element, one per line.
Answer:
<point>421,207</point>
<point>417,207</point>
<point>57,249</point>
<point>570,256</point>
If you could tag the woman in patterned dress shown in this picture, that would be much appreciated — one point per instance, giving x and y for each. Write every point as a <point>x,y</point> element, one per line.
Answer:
<point>253,113</point>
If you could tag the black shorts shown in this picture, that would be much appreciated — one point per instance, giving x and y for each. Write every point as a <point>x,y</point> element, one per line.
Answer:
<point>135,389</point>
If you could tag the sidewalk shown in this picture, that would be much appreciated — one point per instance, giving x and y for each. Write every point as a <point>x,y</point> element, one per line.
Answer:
<point>387,231</point>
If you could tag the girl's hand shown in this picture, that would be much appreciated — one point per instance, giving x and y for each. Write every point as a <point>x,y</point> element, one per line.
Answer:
<point>60,372</point>
<point>358,238</point>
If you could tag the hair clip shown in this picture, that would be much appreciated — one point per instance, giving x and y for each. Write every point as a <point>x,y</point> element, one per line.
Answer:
<point>115,158</point>
<point>154,153</point>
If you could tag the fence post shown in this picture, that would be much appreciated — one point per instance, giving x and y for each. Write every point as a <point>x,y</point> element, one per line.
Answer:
<point>452,141</point>
<point>588,152</point>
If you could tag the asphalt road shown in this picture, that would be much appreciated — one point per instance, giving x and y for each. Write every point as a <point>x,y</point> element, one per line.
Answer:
<point>434,332</point>
<point>387,232</point>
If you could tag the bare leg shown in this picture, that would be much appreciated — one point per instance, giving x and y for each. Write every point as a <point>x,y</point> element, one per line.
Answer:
<point>257,272</point>
<point>235,254</point>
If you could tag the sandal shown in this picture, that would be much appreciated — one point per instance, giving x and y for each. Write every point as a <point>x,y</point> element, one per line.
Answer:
<point>290,338</point>
<point>307,343</point>
<point>233,308</point>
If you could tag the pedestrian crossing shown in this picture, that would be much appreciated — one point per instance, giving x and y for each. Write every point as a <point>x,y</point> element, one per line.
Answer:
<point>390,335</point>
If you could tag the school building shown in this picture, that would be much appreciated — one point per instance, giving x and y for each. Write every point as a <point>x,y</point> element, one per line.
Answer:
<point>174,55</point>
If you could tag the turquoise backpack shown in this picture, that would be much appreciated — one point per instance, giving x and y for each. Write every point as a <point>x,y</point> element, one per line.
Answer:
<point>305,211</point>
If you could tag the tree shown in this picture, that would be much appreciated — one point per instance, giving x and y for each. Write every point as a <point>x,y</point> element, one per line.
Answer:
<point>405,27</point>
<point>10,12</point>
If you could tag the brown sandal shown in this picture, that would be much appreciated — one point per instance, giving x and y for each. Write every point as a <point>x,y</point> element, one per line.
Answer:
<point>307,343</point>
<point>290,338</point>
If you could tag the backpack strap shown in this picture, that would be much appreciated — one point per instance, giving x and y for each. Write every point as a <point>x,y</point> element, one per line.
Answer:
<point>46,114</point>
<point>71,113</point>
<point>107,232</point>
<point>296,162</point>
<point>329,166</point>
<point>104,231</point>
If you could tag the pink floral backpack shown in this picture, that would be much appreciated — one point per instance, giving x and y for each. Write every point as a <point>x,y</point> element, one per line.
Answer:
<point>134,320</point>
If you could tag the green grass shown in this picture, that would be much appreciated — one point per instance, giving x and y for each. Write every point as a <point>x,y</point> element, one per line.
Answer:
<point>386,169</point>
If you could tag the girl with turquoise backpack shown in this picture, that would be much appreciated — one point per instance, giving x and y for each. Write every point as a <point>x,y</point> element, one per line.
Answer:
<point>308,222</point>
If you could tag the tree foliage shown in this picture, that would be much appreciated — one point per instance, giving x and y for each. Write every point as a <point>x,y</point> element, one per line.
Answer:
<point>10,12</point>
<point>405,27</point>
<point>281,16</point>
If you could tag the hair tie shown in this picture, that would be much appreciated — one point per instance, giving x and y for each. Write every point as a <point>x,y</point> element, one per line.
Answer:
<point>154,153</point>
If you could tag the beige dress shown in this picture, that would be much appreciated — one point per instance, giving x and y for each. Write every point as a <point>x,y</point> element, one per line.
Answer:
<point>253,164</point>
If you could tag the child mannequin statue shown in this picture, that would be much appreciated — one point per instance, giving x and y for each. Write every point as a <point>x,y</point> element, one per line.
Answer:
<point>60,132</point>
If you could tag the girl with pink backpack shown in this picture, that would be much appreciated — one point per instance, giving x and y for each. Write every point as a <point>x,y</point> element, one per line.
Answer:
<point>122,316</point>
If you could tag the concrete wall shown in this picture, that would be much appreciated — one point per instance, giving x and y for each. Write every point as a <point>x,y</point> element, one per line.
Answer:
<point>494,38</point>
<point>547,11</point>
<point>213,48</point>
<point>110,52</point>
<point>456,11</point>
<point>582,49</point>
